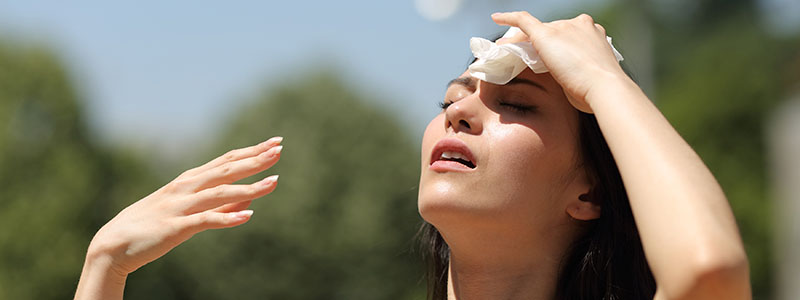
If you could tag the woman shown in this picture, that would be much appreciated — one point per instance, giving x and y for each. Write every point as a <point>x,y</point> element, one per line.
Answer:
<point>522,195</point>
<point>537,209</point>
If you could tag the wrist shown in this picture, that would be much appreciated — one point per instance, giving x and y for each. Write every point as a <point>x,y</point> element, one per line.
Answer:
<point>99,262</point>
<point>611,86</point>
<point>101,257</point>
<point>100,279</point>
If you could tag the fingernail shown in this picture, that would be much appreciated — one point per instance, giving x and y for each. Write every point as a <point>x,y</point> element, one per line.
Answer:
<point>275,151</point>
<point>241,215</point>
<point>273,141</point>
<point>270,180</point>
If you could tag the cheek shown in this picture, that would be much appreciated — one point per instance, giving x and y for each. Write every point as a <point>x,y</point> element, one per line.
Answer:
<point>515,151</point>
<point>515,145</point>
<point>524,167</point>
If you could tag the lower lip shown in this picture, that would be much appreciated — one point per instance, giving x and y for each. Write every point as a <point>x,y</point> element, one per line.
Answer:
<point>448,166</point>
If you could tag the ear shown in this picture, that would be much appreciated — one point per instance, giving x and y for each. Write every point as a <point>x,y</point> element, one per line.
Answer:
<point>582,203</point>
<point>584,208</point>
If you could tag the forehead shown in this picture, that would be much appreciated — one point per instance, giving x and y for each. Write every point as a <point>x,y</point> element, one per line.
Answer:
<point>544,79</point>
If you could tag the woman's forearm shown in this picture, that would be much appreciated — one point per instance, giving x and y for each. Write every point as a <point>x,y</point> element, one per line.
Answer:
<point>687,228</point>
<point>686,225</point>
<point>99,280</point>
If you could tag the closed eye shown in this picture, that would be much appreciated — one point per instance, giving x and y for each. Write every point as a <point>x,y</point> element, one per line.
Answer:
<point>518,108</point>
<point>444,105</point>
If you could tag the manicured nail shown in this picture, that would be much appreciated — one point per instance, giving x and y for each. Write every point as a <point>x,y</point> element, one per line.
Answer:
<point>270,180</point>
<point>275,151</point>
<point>241,215</point>
<point>273,141</point>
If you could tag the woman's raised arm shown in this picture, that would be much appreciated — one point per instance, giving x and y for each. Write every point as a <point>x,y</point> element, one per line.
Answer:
<point>687,228</point>
<point>199,199</point>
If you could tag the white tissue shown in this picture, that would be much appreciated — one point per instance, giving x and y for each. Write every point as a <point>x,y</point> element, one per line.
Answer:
<point>499,64</point>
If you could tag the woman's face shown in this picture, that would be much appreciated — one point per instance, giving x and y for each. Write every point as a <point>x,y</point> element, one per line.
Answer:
<point>503,154</point>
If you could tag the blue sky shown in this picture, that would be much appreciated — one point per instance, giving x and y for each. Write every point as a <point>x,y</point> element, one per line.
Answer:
<point>164,74</point>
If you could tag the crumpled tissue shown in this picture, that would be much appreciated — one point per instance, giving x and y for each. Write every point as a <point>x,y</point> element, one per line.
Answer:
<point>499,64</point>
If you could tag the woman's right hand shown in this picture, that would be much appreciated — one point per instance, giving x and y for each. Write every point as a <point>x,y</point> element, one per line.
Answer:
<point>575,51</point>
<point>199,199</point>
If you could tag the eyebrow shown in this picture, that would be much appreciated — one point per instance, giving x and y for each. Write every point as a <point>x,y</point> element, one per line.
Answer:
<point>518,80</point>
<point>466,81</point>
<point>470,82</point>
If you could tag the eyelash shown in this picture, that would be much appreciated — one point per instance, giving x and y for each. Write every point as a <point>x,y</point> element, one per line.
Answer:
<point>522,109</point>
<point>515,107</point>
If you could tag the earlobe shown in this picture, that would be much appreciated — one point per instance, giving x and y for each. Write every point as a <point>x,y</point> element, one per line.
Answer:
<point>584,209</point>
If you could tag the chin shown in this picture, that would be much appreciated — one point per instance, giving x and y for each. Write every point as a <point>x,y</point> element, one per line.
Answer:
<point>437,199</point>
<point>442,202</point>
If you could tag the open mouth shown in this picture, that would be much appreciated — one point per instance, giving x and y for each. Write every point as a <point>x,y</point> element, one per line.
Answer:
<point>452,154</point>
<point>456,157</point>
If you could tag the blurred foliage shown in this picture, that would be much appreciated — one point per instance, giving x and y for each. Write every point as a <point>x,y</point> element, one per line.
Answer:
<point>341,223</point>
<point>339,226</point>
<point>56,186</point>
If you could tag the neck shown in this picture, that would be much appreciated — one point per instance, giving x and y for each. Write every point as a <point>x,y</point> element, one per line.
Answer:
<point>503,266</point>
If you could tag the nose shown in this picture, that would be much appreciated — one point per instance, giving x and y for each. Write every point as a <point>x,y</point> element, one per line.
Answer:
<point>464,115</point>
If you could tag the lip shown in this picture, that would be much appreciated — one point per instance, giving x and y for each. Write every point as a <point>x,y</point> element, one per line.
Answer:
<point>454,145</point>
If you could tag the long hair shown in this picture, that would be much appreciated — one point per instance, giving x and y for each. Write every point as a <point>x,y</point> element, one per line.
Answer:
<point>606,262</point>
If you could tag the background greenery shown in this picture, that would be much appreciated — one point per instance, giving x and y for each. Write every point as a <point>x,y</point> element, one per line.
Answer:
<point>341,223</point>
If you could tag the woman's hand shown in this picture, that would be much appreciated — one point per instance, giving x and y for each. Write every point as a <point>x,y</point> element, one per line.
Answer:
<point>199,199</point>
<point>575,52</point>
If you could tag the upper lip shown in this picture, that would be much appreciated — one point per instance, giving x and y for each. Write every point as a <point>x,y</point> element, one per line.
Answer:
<point>452,145</point>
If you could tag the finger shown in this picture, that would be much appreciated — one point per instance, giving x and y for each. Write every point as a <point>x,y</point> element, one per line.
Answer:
<point>585,18</point>
<point>231,172</point>
<point>237,154</point>
<point>237,206</point>
<point>214,220</point>
<point>522,19</point>
<point>517,38</point>
<point>231,193</point>
<point>600,28</point>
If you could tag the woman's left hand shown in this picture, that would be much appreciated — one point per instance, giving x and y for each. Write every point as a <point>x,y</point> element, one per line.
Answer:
<point>575,52</point>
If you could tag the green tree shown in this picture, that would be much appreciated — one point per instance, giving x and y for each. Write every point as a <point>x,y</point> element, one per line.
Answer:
<point>339,226</point>
<point>56,186</point>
